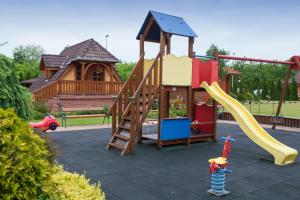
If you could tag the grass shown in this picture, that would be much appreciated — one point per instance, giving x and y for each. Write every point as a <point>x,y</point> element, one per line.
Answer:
<point>82,121</point>
<point>289,108</point>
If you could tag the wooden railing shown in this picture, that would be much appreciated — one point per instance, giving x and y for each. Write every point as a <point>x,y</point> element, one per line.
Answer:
<point>122,100</point>
<point>266,119</point>
<point>66,87</point>
<point>143,99</point>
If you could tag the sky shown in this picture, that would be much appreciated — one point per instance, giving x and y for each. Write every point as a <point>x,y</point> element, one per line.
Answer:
<point>252,28</point>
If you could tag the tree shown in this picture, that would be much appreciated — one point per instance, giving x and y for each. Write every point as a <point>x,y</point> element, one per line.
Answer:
<point>27,53</point>
<point>294,92</point>
<point>27,61</point>
<point>12,93</point>
<point>287,93</point>
<point>124,69</point>
<point>277,90</point>
<point>222,63</point>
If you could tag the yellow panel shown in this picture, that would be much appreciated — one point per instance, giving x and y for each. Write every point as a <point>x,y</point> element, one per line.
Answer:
<point>177,71</point>
<point>282,154</point>
<point>147,65</point>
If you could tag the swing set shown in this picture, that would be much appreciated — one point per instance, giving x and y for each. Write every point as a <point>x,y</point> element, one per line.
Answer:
<point>293,64</point>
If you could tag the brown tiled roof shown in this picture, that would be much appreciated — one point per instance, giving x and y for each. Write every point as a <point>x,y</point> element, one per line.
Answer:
<point>89,50</point>
<point>53,60</point>
<point>38,83</point>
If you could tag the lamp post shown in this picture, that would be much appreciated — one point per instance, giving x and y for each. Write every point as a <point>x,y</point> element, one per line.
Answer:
<point>106,41</point>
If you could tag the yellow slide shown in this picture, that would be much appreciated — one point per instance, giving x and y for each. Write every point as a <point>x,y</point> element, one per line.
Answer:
<point>282,154</point>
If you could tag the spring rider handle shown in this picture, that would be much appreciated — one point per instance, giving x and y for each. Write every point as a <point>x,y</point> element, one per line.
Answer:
<point>227,145</point>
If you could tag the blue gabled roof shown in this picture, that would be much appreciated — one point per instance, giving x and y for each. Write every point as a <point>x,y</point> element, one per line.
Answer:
<point>167,23</point>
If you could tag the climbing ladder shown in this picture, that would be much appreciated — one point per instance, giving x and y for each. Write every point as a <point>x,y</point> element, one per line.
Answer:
<point>130,108</point>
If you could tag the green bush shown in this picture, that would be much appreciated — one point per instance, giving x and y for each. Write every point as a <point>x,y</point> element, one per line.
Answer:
<point>12,93</point>
<point>27,170</point>
<point>24,165</point>
<point>41,107</point>
<point>65,185</point>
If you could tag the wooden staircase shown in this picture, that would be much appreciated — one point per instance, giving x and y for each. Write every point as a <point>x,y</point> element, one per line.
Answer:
<point>131,106</point>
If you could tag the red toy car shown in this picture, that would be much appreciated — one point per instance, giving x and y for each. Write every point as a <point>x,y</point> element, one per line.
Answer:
<point>49,122</point>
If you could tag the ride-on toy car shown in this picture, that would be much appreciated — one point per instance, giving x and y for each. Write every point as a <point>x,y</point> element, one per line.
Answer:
<point>48,123</point>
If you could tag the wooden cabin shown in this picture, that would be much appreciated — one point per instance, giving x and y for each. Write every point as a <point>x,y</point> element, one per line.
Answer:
<point>81,77</point>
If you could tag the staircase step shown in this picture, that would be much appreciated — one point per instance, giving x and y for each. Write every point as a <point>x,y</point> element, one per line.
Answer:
<point>122,137</point>
<point>124,127</point>
<point>117,146</point>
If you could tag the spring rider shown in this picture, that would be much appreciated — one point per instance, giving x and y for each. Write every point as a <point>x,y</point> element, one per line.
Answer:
<point>218,169</point>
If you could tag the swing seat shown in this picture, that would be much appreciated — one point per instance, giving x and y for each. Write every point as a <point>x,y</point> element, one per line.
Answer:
<point>276,120</point>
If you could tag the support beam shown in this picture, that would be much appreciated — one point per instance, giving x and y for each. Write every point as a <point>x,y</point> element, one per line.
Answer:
<point>161,90</point>
<point>191,44</point>
<point>252,59</point>
<point>147,29</point>
<point>111,78</point>
<point>168,41</point>
<point>82,75</point>
<point>282,94</point>
<point>142,52</point>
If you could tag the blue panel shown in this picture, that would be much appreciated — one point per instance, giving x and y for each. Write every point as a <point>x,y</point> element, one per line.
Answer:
<point>172,129</point>
<point>167,23</point>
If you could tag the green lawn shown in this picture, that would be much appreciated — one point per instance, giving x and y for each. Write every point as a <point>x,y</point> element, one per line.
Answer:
<point>289,109</point>
<point>82,121</point>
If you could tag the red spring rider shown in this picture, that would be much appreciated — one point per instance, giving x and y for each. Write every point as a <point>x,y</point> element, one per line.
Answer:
<point>48,123</point>
<point>218,169</point>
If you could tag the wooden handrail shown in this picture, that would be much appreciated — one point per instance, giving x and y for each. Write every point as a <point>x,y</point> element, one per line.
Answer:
<point>146,76</point>
<point>136,105</point>
<point>126,84</point>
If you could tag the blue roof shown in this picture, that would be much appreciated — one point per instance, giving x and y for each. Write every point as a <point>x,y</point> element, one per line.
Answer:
<point>167,23</point>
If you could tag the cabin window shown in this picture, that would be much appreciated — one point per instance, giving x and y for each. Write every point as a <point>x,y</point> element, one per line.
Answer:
<point>98,75</point>
<point>78,72</point>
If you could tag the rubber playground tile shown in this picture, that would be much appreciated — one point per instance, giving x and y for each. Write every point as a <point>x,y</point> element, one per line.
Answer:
<point>172,191</point>
<point>181,172</point>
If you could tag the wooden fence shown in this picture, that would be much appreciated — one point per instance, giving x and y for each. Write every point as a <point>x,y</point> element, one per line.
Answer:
<point>265,119</point>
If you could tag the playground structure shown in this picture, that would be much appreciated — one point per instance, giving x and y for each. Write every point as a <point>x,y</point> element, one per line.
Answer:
<point>157,78</point>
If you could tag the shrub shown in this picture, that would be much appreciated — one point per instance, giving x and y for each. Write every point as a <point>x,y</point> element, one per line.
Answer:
<point>26,171</point>
<point>65,185</point>
<point>24,167</point>
<point>12,93</point>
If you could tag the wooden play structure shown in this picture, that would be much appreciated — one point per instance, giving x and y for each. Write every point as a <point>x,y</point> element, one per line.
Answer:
<point>155,80</point>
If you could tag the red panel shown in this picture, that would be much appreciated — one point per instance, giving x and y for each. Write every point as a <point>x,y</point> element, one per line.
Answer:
<point>204,71</point>
<point>204,113</point>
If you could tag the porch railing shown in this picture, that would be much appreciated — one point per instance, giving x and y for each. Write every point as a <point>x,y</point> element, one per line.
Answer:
<point>65,87</point>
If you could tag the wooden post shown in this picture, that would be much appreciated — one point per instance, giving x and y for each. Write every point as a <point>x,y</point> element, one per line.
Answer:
<point>142,50</point>
<point>133,125</point>
<point>191,43</point>
<point>161,90</point>
<point>114,120</point>
<point>189,102</point>
<point>111,79</point>
<point>282,94</point>
<point>82,74</point>
<point>215,120</point>
<point>168,40</point>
